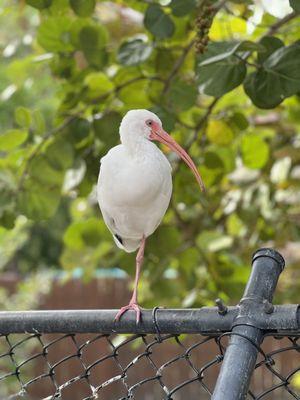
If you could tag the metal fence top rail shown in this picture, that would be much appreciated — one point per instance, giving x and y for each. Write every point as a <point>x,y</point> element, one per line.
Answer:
<point>284,319</point>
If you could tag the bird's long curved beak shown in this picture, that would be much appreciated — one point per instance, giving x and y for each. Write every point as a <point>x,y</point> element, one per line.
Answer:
<point>157,133</point>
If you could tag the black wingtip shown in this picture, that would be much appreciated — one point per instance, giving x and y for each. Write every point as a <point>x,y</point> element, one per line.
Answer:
<point>119,239</point>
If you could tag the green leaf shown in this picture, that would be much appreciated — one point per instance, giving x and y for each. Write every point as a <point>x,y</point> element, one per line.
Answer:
<point>158,22</point>
<point>278,78</point>
<point>78,130</point>
<point>38,122</point>
<point>59,153</point>
<point>270,44</point>
<point>39,4</point>
<point>93,40</point>
<point>12,139</point>
<point>219,77</point>
<point>134,52</point>
<point>218,51</point>
<point>38,201</point>
<point>218,132</point>
<point>182,7</point>
<point>255,151</point>
<point>42,172</point>
<point>182,95</point>
<point>98,84</point>
<point>23,117</point>
<point>83,8</point>
<point>85,233</point>
<point>239,121</point>
<point>295,4</point>
<point>54,34</point>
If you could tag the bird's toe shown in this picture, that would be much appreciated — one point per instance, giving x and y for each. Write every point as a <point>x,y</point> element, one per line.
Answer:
<point>131,306</point>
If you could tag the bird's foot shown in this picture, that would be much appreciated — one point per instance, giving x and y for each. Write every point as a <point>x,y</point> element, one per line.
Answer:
<point>131,306</point>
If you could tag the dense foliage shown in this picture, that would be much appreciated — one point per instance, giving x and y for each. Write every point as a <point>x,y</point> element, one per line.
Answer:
<point>225,79</point>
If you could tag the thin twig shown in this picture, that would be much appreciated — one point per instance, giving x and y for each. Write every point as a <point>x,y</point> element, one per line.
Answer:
<point>177,66</point>
<point>278,24</point>
<point>202,122</point>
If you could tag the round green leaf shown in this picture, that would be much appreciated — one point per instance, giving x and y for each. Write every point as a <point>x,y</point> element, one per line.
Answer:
<point>278,78</point>
<point>12,138</point>
<point>38,201</point>
<point>93,40</point>
<point>54,34</point>
<point>270,44</point>
<point>23,117</point>
<point>83,8</point>
<point>41,171</point>
<point>78,130</point>
<point>218,76</point>
<point>158,22</point>
<point>218,132</point>
<point>182,7</point>
<point>98,84</point>
<point>134,52</point>
<point>59,154</point>
<point>39,4</point>
<point>255,151</point>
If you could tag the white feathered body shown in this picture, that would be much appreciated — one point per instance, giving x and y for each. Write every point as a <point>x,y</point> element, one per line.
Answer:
<point>134,191</point>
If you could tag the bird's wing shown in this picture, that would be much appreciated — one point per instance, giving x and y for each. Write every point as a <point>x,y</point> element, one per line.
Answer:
<point>133,198</point>
<point>124,243</point>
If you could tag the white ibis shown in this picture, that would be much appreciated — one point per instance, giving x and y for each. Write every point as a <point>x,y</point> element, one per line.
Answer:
<point>135,186</point>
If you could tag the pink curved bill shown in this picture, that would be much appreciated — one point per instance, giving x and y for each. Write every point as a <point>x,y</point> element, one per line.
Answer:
<point>157,133</point>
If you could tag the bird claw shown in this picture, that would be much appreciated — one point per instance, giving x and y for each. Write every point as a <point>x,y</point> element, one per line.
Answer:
<point>131,306</point>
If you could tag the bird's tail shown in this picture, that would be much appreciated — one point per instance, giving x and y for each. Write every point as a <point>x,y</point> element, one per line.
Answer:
<point>129,245</point>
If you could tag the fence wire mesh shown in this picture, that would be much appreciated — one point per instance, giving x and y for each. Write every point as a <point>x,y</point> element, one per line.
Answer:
<point>110,366</point>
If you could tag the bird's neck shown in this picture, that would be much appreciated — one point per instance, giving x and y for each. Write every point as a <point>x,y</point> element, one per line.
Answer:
<point>139,148</point>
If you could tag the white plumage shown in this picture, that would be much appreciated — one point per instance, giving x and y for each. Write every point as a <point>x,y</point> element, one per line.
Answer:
<point>135,185</point>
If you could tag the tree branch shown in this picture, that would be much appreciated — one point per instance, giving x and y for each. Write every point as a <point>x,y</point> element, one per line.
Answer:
<point>278,24</point>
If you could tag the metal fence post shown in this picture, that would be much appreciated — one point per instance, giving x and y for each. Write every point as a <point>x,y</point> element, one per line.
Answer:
<point>245,338</point>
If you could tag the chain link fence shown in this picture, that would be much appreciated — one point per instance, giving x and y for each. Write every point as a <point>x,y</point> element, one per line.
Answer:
<point>251,351</point>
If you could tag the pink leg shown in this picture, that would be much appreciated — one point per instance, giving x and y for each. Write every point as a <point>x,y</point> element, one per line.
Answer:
<point>133,304</point>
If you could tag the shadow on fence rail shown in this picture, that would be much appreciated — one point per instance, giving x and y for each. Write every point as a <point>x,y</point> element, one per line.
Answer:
<point>171,354</point>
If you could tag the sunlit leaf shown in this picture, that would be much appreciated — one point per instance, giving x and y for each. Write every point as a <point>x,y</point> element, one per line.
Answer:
<point>54,34</point>
<point>219,132</point>
<point>12,138</point>
<point>23,117</point>
<point>255,151</point>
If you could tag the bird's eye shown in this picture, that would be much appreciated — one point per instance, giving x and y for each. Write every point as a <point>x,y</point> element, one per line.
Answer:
<point>149,122</point>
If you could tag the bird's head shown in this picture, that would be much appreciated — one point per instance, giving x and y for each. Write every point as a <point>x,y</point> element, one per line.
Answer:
<point>142,125</point>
